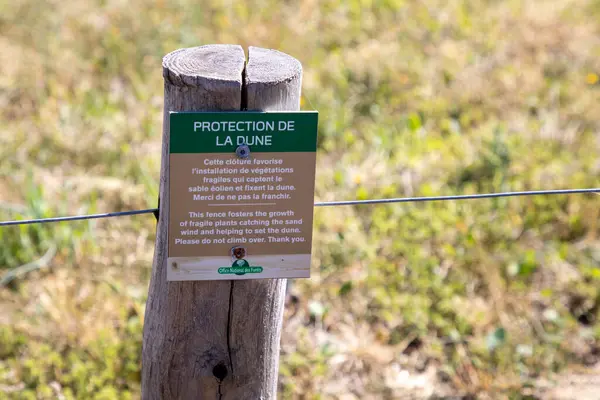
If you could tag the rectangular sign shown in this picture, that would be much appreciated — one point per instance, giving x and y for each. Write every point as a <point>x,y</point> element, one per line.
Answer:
<point>241,195</point>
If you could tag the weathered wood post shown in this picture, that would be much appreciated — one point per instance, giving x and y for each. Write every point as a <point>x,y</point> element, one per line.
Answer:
<point>215,339</point>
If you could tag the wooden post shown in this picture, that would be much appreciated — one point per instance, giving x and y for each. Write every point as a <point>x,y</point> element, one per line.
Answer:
<point>215,339</point>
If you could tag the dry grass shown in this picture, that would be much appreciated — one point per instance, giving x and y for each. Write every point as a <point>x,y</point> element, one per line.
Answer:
<point>486,299</point>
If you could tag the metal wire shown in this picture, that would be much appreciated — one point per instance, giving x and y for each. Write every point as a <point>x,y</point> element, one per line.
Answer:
<point>328,204</point>
<point>77,217</point>
<point>456,197</point>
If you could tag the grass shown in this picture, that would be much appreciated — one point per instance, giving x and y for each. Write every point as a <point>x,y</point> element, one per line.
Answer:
<point>476,298</point>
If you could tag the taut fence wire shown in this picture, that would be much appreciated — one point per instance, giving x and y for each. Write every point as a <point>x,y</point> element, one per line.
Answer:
<point>326,204</point>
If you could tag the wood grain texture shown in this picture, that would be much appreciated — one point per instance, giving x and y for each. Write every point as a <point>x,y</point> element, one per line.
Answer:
<point>186,323</point>
<point>215,339</point>
<point>273,81</point>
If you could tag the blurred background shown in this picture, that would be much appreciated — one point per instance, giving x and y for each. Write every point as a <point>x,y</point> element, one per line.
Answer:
<point>484,299</point>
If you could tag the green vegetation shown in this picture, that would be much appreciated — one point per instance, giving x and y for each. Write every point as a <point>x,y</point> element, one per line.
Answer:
<point>481,298</point>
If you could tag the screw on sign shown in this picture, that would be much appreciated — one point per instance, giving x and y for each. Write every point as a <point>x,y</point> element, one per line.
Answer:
<point>243,151</point>
<point>240,266</point>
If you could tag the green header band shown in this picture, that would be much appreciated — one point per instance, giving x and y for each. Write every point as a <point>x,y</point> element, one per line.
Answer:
<point>223,132</point>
